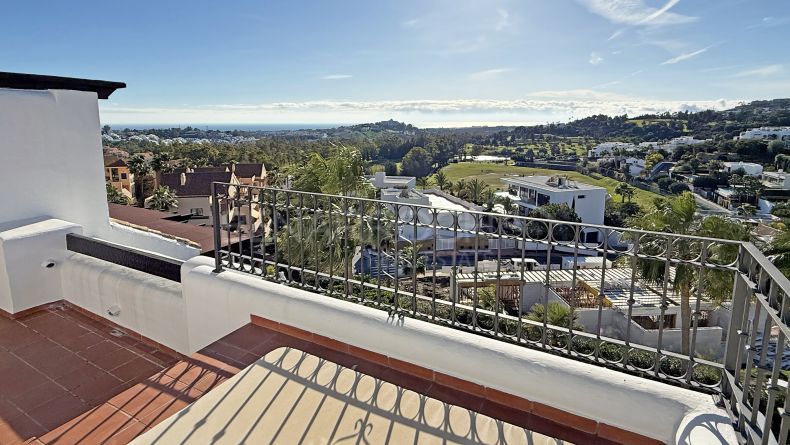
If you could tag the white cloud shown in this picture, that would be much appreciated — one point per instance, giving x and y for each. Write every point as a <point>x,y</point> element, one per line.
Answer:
<point>763,71</point>
<point>488,74</point>
<point>685,56</point>
<point>595,59</point>
<point>336,77</point>
<point>636,13</point>
<point>539,107</point>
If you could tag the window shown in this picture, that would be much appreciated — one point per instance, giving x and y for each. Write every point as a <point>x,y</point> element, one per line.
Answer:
<point>197,212</point>
<point>444,244</point>
<point>123,175</point>
<point>581,196</point>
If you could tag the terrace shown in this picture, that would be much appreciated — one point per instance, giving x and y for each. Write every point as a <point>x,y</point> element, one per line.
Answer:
<point>113,334</point>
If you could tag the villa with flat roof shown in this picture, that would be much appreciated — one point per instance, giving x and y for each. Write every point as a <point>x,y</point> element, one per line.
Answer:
<point>588,201</point>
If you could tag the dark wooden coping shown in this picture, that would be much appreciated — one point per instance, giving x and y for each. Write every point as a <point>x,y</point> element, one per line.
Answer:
<point>147,262</point>
<point>22,81</point>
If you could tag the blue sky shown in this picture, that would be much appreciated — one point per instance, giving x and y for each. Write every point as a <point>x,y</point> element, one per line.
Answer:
<point>432,63</point>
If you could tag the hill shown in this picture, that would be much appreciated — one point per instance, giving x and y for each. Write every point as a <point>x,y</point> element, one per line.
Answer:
<point>707,124</point>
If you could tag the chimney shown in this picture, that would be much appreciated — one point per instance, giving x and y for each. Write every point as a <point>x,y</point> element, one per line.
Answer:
<point>183,179</point>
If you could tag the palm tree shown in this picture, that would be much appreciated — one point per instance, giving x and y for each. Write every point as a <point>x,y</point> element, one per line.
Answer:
<point>139,168</point>
<point>160,163</point>
<point>459,188</point>
<point>678,216</point>
<point>423,182</point>
<point>779,251</point>
<point>557,315</point>
<point>441,180</point>
<point>625,191</point>
<point>115,196</point>
<point>476,189</point>
<point>164,198</point>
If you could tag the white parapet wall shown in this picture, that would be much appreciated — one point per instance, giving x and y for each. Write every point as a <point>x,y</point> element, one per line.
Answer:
<point>147,304</point>
<point>217,304</point>
<point>31,255</point>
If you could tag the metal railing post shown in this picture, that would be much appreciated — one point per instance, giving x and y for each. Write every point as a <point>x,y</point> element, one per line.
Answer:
<point>217,228</point>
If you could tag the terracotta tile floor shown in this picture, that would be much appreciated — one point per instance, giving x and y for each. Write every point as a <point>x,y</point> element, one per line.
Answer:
<point>292,397</point>
<point>74,382</point>
<point>57,365</point>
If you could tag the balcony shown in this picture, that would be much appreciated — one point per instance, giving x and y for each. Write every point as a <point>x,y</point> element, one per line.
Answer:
<point>111,334</point>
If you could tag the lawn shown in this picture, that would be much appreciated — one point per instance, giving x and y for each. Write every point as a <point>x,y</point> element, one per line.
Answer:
<point>491,175</point>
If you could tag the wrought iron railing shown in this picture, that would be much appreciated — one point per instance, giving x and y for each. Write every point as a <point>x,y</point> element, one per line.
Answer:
<point>757,357</point>
<point>484,273</point>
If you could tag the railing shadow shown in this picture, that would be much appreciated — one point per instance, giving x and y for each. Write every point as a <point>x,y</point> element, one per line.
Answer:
<point>291,396</point>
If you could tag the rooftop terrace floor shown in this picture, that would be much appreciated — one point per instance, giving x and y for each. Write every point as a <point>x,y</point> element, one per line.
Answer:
<point>70,379</point>
<point>290,396</point>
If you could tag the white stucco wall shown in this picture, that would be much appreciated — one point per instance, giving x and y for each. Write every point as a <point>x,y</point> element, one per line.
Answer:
<point>217,304</point>
<point>52,158</point>
<point>25,282</point>
<point>52,164</point>
<point>149,305</point>
<point>150,242</point>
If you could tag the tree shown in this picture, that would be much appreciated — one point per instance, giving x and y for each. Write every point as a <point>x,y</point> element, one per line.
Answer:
<point>781,210</point>
<point>441,180</point>
<point>390,168</point>
<point>459,188</point>
<point>417,162</point>
<point>652,159</point>
<point>776,147</point>
<point>476,190</point>
<point>423,181</point>
<point>618,213</point>
<point>625,191</point>
<point>160,163</point>
<point>779,251</point>
<point>678,216</point>
<point>163,198</point>
<point>115,196</point>
<point>677,188</point>
<point>557,212</point>
<point>556,315</point>
<point>139,167</point>
<point>341,173</point>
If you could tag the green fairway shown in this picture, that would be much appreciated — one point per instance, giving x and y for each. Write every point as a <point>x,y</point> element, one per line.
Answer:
<point>491,175</point>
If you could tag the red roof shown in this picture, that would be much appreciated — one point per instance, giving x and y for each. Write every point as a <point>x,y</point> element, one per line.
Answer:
<point>155,220</point>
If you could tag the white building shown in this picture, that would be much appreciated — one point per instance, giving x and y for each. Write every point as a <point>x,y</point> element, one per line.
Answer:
<point>766,133</point>
<point>447,209</point>
<point>382,181</point>
<point>649,145</point>
<point>635,166</point>
<point>681,141</point>
<point>588,201</point>
<point>750,168</point>
<point>777,180</point>
<point>610,147</point>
